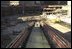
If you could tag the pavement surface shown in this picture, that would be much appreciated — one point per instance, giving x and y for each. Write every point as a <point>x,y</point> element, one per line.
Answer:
<point>37,39</point>
<point>59,27</point>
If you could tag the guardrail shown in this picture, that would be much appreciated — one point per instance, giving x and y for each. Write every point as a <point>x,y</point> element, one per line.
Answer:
<point>56,38</point>
<point>19,39</point>
<point>22,37</point>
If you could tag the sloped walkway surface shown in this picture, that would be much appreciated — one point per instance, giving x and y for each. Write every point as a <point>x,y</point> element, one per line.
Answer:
<point>37,39</point>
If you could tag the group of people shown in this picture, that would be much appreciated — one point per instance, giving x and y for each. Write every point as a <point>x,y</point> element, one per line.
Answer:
<point>37,24</point>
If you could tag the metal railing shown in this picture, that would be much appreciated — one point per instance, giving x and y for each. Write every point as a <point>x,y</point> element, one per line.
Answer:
<point>60,42</point>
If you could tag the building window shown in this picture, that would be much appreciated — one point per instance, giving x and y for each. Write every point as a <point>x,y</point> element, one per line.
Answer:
<point>15,3</point>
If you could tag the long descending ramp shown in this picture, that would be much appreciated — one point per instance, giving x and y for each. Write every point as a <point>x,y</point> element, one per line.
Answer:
<point>37,39</point>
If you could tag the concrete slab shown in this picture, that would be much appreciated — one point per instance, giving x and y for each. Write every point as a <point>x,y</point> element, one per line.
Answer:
<point>59,27</point>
